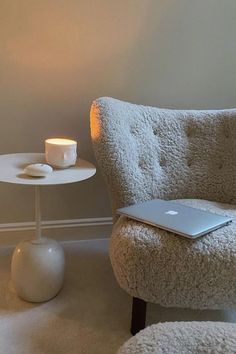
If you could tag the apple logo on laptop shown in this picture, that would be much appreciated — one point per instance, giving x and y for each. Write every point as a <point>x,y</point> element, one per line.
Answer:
<point>171,212</point>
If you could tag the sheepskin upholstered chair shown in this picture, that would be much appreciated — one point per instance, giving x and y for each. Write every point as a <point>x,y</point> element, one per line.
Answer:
<point>187,155</point>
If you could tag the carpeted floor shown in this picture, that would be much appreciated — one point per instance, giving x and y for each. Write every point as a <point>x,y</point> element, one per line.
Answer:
<point>91,315</point>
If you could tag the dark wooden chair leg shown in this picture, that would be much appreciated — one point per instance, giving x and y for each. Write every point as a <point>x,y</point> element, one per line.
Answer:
<point>138,315</point>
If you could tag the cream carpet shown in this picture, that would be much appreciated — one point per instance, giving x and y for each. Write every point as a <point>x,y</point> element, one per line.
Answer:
<point>90,315</point>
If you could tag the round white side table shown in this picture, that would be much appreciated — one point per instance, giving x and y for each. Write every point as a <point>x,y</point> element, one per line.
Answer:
<point>37,268</point>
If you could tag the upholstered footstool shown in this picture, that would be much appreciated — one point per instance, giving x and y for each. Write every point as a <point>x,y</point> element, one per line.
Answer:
<point>183,338</point>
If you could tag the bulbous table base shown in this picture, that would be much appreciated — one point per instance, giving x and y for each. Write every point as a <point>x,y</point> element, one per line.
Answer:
<point>37,269</point>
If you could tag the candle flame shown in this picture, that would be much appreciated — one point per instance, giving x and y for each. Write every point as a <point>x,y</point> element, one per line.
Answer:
<point>60,141</point>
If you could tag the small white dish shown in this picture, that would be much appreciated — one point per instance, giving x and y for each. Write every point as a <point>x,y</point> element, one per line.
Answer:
<point>38,170</point>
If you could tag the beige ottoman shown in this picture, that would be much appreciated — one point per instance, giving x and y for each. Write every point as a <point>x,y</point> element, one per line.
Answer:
<point>183,338</point>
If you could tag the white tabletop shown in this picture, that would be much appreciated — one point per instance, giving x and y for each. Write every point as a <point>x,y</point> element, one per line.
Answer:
<point>12,167</point>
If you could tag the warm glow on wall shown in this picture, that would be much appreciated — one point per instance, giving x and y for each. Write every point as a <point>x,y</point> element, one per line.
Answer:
<point>95,124</point>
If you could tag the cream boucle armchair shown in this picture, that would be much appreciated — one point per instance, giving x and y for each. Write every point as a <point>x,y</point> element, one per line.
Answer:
<point>145,153</point>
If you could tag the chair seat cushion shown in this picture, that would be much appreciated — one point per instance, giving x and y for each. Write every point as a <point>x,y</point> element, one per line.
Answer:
<point>183,338</point>
<point>161,267</point>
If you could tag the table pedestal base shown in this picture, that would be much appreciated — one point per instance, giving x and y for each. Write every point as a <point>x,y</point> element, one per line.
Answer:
<point>37,269</point>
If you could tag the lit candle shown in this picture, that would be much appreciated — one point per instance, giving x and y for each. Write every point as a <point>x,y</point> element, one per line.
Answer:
<point>60,153</point>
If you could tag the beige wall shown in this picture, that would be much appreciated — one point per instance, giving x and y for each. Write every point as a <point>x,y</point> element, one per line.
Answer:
<point>56,56</point>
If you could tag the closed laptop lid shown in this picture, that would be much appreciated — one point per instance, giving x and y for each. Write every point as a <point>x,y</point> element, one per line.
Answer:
<point>175,217</point>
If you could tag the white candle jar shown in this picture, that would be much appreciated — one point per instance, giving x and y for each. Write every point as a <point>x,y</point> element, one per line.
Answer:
<point>61,153</point>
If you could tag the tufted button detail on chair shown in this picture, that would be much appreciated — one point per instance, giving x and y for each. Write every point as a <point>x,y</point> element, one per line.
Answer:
<point>133,130</point>
<point>155,131</point>
<point>189,162</point>
<point>189,132</point>
<point>220,166</point>
<point>141,164</point>
<point>162,162</point>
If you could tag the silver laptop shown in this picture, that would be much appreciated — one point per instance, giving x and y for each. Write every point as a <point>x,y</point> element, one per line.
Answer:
<point>175,217</point>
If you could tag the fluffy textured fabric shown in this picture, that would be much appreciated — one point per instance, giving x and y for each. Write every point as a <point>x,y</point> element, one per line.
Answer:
<point>147,153</point>
<point>184,338</point>
<point>161,267</point>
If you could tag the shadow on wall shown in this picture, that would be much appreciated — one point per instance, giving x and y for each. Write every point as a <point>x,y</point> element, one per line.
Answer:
<point>183,56</point>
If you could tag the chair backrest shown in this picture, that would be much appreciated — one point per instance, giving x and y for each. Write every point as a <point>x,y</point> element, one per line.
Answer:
<point>147,152</point>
